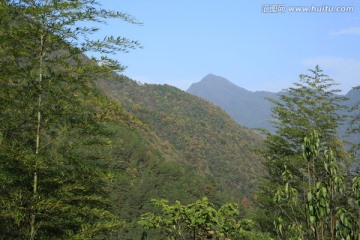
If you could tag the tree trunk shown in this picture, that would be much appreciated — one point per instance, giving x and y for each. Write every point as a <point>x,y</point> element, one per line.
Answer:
<point>37,144</point>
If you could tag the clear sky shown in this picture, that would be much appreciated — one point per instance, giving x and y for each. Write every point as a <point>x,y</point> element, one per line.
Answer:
<point>258,44</point>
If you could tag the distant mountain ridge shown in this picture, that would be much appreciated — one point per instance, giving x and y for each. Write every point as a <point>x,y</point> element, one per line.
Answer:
<point>249,109</point>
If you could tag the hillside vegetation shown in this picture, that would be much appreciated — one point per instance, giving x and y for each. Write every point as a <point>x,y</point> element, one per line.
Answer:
<point>205,136</point>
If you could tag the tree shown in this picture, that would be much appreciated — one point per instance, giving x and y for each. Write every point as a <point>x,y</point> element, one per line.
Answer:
<point>312,104</point>
<point>200,219</point>
<point>51,183</point>
<point>327,217</point>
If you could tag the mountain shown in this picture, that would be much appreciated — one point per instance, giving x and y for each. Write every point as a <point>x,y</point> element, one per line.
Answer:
<point>204,136</point>
<point>353,97</point>
<point>250,109</point>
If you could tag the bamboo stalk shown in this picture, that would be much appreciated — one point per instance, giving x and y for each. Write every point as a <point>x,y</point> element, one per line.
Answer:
<point>38,132</point>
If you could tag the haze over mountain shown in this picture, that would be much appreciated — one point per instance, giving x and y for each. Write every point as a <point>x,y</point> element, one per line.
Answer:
<point>249,109</point>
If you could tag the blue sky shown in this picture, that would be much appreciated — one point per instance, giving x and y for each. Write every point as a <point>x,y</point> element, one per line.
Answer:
<point>184,40</point>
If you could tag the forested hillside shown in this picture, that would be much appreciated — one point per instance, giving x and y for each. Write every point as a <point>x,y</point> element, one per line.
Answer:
<point>205,136</point>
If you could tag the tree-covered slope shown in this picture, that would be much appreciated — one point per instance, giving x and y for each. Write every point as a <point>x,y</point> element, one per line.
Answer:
<point>141,171</point>
<point>207,138</point>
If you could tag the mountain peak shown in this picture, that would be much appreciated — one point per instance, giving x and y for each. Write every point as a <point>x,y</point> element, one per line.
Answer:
<point>212,79</point>
<point>212,82</point>
<point>211,76</point>
<point>236,101</point>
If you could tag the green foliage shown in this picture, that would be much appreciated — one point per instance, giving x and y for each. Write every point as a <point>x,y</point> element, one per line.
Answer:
<point>53,176</point>
<point>140,172</point>
<point>325,215</point>
<point>310,106</point>
<point>72,162</point>
<point>197,220</point>
<point>71,198</point>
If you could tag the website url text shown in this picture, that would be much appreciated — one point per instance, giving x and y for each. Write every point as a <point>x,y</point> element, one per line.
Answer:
<point>282,8</point>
